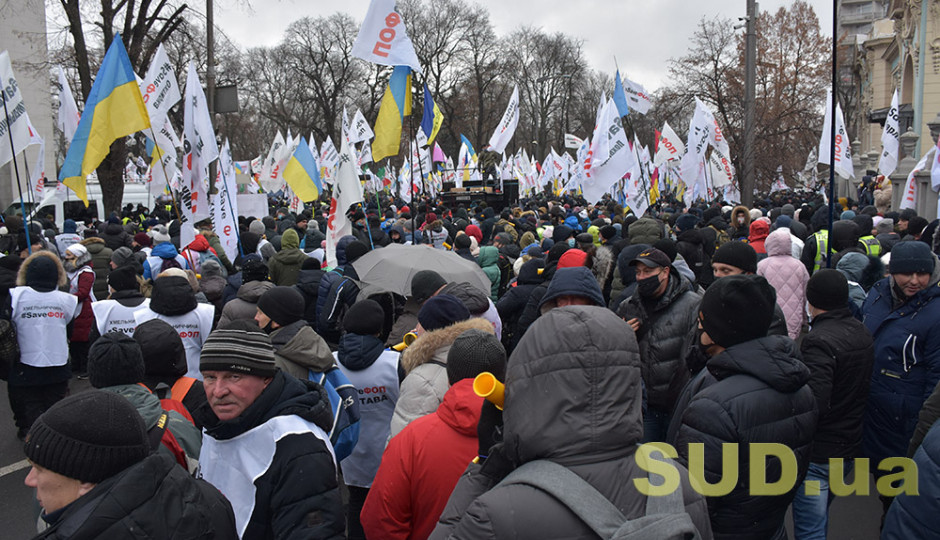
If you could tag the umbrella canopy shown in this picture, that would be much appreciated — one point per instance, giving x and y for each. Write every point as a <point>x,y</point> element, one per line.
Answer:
<point>392,267</point>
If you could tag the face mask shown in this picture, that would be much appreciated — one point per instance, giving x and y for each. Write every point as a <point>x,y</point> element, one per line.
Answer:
<point>740,220</point>
<point>647,287</point>
<point>571,242</point>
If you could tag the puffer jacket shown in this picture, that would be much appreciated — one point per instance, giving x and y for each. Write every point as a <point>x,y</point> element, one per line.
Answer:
<point>907,364</point>
<point>285,266</point>
<point>664,331</point>
<point>100,263</point>
<point>691,245</point>
<point>298,349</point>
<point>308,285</point>
<point>421,466</point>
<point>740,231</point>
<point>788,276</point>
<point>488,259</point>
<point>425,365</point>
<point>123,506</point>
<point>245,304</point>
<point>627,273</point>
<point>645,231</point>
<point>852,266</point>
<point>916,516</point>
<point>753,392</point>
<point>838,352</point>
<point>115,236</point>
<point>297,495</point>
<point>580,363</point>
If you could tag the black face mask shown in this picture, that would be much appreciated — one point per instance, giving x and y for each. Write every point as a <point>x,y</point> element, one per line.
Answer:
<point>647,287</point>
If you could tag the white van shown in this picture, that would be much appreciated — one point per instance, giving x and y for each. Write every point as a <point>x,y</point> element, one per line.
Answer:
<point>74,208</point>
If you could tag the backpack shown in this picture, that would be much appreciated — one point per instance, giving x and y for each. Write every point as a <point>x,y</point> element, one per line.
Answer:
<point>159,434</point>
<point>173,403</point>
<point>665,517</point>
<point>344,401</point>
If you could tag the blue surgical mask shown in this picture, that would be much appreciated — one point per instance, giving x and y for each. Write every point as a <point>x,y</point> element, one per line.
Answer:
<point>571,242</point>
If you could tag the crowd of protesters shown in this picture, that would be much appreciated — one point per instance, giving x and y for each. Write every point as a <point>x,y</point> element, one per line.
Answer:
<point>272,395</point>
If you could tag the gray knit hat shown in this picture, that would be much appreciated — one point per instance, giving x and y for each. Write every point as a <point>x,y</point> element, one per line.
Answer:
<point>90,437</point>
<point>121,256</point>
<point>239,346</point>
<point>474,352</point>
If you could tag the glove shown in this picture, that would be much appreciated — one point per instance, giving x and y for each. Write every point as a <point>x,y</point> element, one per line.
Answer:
<point>498,464</point>
<point>489,429</point>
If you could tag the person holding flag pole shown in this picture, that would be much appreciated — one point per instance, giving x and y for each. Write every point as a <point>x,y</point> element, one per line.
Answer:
<point>4,58</point>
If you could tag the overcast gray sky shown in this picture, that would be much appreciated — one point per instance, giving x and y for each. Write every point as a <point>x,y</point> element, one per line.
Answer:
<point>642,35</point>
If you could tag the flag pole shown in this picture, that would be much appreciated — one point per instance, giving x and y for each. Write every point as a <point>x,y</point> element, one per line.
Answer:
<point>832,131</point>
<point>228,197</point>
<point>411,159</point>
<point>166,178</point>
<point>16,171</point>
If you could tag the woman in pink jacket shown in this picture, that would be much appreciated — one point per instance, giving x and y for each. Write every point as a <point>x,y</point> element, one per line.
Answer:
<point>788,276</point>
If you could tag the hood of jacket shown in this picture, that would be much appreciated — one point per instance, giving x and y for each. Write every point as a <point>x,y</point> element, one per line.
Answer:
<point>252,291</point>
<point>627,254</point>
<point>290,257</point>
<point>529,272</point>
<point>779,243</point>
<point>853,265</point>
<point>172,295</point>
<point>759,229</point>
<point>284,396</point>
<point>645,231</point>
<point>488,256</point>
<point>427,346</point>
<point>737,210</point>
<point>113,229</point>
<point>165,250</point>
<point>460,408</point>
<point>341,249</point>
<point>573,391</point>
<point>147,404</point>
<point>358,352</point>
<point>94,245</point>
<point>200,243</point>
<point>290,240</point>
<point>298,343</point>
<point>692,236</point>
<point>775,360</point>
<point>309,280</point>
<point>576,281</point>
<point>844,235</point>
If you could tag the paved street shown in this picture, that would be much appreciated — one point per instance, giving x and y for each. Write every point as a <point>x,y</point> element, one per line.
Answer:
<point>852,519</point>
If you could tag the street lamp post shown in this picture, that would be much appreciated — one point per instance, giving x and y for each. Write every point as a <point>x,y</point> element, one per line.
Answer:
<point>750,76</point>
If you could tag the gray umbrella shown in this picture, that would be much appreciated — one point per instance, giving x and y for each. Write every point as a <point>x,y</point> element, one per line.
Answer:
<point>392,267</point>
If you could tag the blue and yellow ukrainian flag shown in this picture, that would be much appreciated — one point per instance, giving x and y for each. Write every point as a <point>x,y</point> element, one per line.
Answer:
<point>433,117</point>
<point>114,109</point>
<point>302,173</point>
<point>396,105</point>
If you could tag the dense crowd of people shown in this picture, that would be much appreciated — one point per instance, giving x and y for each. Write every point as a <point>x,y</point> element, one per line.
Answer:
<point>271,395</point>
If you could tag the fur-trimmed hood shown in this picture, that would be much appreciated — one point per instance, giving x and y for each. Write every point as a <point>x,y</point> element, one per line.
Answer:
<point>21,274</point>
<point>426,347</point>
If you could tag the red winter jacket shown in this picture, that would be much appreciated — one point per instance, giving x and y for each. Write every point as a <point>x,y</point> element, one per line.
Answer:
<point>421,466</point>
<point>81,326</point>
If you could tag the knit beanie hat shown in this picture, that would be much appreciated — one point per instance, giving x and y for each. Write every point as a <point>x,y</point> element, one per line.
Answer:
<point>69,226</point>
<point>241,347</point>
<point>885,226</point>
<point>89,437</point>
<point>115,358</point>
<point>354,250</point>
<point>162,349</point>
<point>827,289</point>
<point>143,239</point>
<point>365,318</point>
<point>121,256</point>
<point>462,242</point>
<point>159,234</point>
<point>572,258</point>
<point>310,263</point>
<point>474,352</point>
<point>686,222</point>
<point>284,305</point>
<point>911,256</point>
<point>738,255</point>
<point>123,278</point>
<point>42,273</point>
<point>441,311</point>
<point>254,270</point>
<point>256,227</point>
<point>80,253</point>
<point>424,284</point>
<point>608,232</point>
<point>737,308</point>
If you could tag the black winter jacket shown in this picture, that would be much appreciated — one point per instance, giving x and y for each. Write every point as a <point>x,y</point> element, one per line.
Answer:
<point>531,310</point>
<point>753,392</point>
<point>154,498</point>
<point>115,236</point>
<point>308,284</point>
<point>665,330</point>
<point>513,302</point>
<point>298,495</point>
<point>839,353</point>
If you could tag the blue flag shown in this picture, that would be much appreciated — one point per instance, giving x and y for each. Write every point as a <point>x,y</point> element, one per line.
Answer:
<point>620,97</point>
